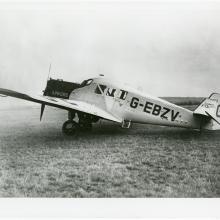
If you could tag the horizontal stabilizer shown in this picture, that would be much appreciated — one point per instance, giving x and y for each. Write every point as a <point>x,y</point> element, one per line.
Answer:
<point>210,108</point>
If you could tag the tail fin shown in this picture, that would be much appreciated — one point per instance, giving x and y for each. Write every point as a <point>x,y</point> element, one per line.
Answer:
<point>210,109</point>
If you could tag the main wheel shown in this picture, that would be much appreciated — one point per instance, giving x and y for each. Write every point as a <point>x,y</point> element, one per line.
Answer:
<point>70,127</point>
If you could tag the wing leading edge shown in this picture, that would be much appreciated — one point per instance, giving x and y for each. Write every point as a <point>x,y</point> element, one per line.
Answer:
<point>63,104</point>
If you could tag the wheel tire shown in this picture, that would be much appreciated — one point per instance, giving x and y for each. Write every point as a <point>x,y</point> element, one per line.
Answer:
<point>70,127</point>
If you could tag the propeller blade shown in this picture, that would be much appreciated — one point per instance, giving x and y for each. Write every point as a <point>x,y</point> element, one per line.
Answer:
<point>42,111</point>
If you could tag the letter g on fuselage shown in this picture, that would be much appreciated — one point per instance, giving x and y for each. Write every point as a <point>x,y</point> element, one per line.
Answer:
<point>134,102</point>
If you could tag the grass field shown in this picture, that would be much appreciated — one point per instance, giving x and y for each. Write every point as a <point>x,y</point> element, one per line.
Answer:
<point>37,160</point>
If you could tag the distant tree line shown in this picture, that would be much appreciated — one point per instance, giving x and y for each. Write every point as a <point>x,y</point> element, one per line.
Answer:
<point>184,100</point>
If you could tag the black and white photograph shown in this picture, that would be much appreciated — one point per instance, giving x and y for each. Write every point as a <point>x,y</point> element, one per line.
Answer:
<point>110,99</point>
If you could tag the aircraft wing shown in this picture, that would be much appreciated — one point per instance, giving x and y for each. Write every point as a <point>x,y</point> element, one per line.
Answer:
<point>63,104</point>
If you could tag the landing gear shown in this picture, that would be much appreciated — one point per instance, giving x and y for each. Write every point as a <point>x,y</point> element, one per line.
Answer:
<point>85,126</point>
<point>85,122</point>
<point>71,115</point>
<point>70,127</point>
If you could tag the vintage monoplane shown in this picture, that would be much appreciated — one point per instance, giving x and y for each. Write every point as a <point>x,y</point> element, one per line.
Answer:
<point>100,98</point>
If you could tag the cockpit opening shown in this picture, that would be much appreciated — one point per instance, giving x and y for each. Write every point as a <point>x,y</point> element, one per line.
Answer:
<point>86,82</point>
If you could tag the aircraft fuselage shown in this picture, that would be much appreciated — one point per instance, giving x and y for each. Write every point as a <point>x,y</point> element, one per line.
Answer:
<point>135,106</point>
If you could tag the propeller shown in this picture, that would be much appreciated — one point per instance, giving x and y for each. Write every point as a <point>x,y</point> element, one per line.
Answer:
<point>44,93</point>
<point>3,95</point>
<point>42,111</point>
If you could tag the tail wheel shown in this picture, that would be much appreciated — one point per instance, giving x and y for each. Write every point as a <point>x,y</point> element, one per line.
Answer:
<point>70,127</point>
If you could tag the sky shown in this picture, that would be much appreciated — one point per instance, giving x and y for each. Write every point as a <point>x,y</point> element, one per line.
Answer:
<point>165,48</point>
